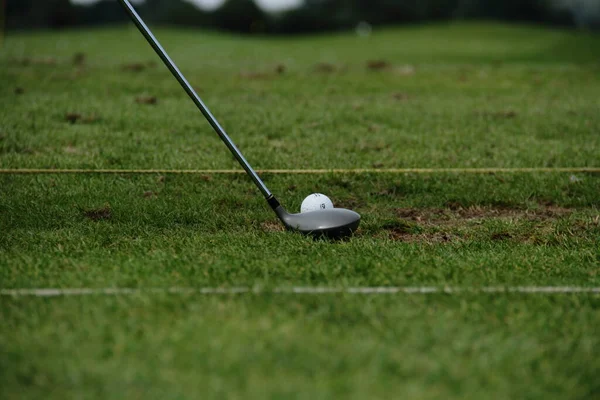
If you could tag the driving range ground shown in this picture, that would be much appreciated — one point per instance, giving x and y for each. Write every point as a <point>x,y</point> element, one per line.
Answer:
<point>137,261</point>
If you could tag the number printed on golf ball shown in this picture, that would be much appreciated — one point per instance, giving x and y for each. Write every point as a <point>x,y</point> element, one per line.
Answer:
<point>314,202</point>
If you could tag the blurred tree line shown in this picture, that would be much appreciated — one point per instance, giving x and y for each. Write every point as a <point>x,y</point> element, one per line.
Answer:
<point>315,15</point>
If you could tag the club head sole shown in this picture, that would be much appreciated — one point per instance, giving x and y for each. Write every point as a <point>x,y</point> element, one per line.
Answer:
<point>336,223</point>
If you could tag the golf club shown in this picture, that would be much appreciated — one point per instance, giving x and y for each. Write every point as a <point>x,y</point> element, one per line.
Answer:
<point>332,223</point>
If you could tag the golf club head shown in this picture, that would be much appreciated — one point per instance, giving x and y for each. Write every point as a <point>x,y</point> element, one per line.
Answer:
<point>334,223</point>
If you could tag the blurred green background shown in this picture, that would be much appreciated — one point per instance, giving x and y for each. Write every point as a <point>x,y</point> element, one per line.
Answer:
<point>298,16</point>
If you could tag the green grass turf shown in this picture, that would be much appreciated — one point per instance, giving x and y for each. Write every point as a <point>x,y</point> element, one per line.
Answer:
<point>460,95</point>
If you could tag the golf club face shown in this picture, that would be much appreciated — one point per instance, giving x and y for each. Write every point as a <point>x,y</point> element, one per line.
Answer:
<point>334,223</point>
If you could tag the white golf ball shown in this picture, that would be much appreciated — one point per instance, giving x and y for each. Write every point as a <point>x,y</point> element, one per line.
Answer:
<point>314,202</point>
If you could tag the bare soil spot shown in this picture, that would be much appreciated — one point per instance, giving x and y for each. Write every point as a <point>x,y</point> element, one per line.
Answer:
<point>280,69</point>
<point>378,65</point>
<point>373,146</point>
<point>506,114</point>
<point>98,214</point>
<point>350,203</point>
<point>74,117</point>
<point>271,226</point>
<point>539,226</point>
<point>427,237</point>
<point>79,59</point>
<point>90,119</point>
<point>44,61</point>
<point>455,214</point>
<point>501,236</point>
<point>25,61</point>
<point>150,100</point>
<point>134,67</point>
<point>21,61</point>
<point>253,75</point>
<point>401,230</point>
<point>399,235</point>
<point>401,96</point>
<point>325,68</point>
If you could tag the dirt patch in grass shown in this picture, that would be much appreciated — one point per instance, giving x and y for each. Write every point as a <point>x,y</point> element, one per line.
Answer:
<point>324,68</point>
<point>277,70</point>
<point>26,61</point>
<point>253,75</point>
<point>403,231</point>
<point>427,238</point>
<point>501,236</point>
<point>378,65</point>
<point>134,67</point>
<point>280,69</point>
<point>74,117</point>
<point>271,226</point>
<point>506,114</point>
<point>546,225</point>
<point>79,59</point>
<point>151,100</point>
<point>452,214</point>
<point>400,96</point>
<point>350,203</point>
<point>98,214</point>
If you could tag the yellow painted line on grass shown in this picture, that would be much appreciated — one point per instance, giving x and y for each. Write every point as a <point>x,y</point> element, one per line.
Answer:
<point>33,171</point>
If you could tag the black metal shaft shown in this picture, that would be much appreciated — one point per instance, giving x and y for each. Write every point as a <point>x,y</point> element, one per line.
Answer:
<point>143,28</point>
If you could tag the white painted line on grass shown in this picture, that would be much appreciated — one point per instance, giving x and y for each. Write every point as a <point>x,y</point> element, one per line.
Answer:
<point>312,290</point>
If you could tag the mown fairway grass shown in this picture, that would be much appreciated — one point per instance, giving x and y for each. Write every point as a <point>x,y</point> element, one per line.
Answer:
<point>474,95</point>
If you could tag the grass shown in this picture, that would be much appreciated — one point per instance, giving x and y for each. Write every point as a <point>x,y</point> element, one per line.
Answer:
<point>459,95</point>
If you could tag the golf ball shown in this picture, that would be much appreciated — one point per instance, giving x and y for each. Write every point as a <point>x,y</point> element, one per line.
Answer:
<point>314,202</point>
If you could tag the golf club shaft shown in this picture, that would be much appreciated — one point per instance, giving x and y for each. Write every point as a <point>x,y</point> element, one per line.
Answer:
<point>137,20</point>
